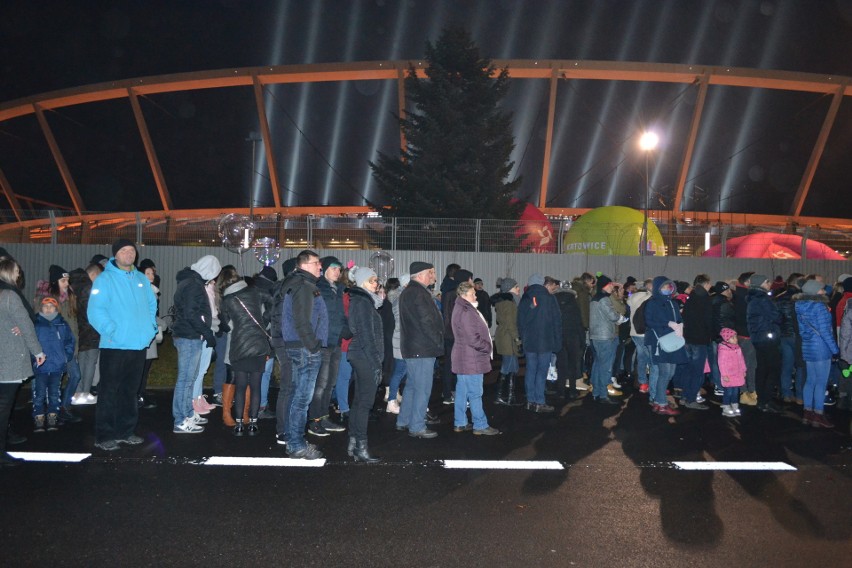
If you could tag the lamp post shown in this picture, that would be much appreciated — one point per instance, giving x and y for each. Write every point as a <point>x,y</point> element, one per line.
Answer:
<point>647,142</point>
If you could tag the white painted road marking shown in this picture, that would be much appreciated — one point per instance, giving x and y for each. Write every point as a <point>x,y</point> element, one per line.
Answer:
<point>498,464</point>
<point>49,456</point>
<point>734,466</point>
<point>273,462</point>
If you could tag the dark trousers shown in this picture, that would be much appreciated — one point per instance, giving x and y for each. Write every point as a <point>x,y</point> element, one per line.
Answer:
<point>366,379</point>
<point>768,373</point>
<point>143,384</point>
<point>8,393</point>
<point>569,362</point>
<point>116,413</point>
<point>243,379</point>
<point>285,392</point>
<point>448,378</point>
<point>694,373</point>
<point>326,381</point>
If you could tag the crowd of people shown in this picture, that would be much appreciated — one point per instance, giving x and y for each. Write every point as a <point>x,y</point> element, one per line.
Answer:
<point>336,329</point>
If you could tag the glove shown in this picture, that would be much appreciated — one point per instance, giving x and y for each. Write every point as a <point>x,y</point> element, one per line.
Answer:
<point>210,341</point>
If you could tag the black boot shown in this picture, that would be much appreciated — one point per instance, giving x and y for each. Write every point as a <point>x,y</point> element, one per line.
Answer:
<point>510,398</point>
<point>501,388</point>
<point>252,429</point>
<point>239,429</point>
<point>361,454</point>
<point>350,449</point>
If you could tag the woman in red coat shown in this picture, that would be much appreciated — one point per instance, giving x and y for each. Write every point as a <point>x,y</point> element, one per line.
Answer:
<point>472,352</point>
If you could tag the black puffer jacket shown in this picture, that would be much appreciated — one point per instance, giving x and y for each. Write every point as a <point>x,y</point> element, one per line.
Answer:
<point>784,303</point>
<point>367,329</point>
<point>80,282</point>
<point>193,318</point>
<point>741,310</point>
<point>248,335</point>
<point>698,318</point>
<point>723,316</point>
<point>572,318</point>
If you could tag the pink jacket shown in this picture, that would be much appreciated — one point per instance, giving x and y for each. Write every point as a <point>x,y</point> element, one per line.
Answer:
<point>732,365</point>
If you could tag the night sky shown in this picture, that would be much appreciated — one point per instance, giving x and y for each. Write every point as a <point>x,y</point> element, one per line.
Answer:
<point>750,155</point>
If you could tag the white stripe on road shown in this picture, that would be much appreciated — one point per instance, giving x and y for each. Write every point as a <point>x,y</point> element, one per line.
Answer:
<point>734,466</point>
<point>497,464</point>
<point>49,456</point>
<point>268,462</point>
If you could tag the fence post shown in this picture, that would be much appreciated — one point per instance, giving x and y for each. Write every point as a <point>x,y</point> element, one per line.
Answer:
<point>805,243</point>
<point>139,228</point>
<point>476,238</point>
<point>559,243</point>
<point>310,231</point>
<point>724,241</point>
<point>53,230</point>
<point>393,233</point>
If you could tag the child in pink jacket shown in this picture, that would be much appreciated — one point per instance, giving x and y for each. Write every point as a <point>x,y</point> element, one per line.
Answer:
<point>732,367</point>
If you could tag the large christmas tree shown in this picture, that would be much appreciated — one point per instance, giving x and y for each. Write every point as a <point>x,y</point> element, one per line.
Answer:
<point>458,140</point>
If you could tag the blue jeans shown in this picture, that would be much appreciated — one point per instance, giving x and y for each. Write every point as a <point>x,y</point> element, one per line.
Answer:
<point>341,389</point>
<point>713,358</point>
<point>731,396</point>
<point>189,359</point>
<point>469,390</point>
<point>788,365</point>
<point>46,393</point>
<point>694,377</point>
<point>412,413</point>
<point>536,376</point>
<point>509,364</point>
<point>815,385</point>
<point>264,382</point>
<point>643,359</point>
<point>73,370</point>
<point>203,364</point>
<point>602,367</point>
<point>399,371</point>
<point>220,371</point>
<point>305,369</point>
<point>659,384</point>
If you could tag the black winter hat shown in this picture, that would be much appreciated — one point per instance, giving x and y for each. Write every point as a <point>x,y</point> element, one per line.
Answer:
<point>720,287</point>
<point>419,266</point>
<point>269,273</point>
<point>328,261</point>
<point>56,272</point>
<point>147,263</point>
<point>288,266</point>
<point>98,259</point>
<point>462,275</point>
<point>847,285</point>
<point>120,244</point>
<point>603,280</point>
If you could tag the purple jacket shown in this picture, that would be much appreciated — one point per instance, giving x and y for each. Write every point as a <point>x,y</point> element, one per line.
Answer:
<point>472,349</point>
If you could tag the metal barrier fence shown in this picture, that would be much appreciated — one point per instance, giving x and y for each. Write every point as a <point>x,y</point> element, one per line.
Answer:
<point>421,234</point>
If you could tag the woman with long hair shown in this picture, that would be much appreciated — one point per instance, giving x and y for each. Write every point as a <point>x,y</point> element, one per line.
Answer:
<point>242,310</point>
<point>18,343</point>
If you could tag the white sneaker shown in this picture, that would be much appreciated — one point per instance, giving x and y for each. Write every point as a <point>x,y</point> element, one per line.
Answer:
<point>615,383</point>
<point>91,399</point>
<point>736,408</point>
<point>387,391</point>
<point>699,399</point>
<point>197,418</point>
<point>728,411</point>
<point>78,399</point>
<point>393,407</point>
<point>188,426</point>
<point>581,385</point>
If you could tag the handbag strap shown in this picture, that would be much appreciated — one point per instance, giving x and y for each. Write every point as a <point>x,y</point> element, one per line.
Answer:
<point>254,320</point>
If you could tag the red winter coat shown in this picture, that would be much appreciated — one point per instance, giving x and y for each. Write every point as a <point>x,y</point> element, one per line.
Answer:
<point>732,365</point>
<point>472,349</point>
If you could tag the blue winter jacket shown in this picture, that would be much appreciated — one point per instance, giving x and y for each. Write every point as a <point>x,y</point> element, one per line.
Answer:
<point>815,329</point>
<point>659,311</point>
<point>540,321</point>
<point>57,343</point>
<point>763,317</point>
<point>123,308</point>
<point>332,294</point>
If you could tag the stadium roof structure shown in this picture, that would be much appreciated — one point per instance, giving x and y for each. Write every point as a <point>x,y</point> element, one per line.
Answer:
<point>833,91</point>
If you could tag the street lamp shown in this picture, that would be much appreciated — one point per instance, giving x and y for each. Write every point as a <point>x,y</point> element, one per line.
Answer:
<point>647,142</point>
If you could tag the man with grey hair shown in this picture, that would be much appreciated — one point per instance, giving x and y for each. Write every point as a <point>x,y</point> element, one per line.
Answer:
<point>421,342</point>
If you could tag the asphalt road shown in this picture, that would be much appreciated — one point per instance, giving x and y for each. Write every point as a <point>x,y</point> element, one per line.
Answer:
<point>616,496</point>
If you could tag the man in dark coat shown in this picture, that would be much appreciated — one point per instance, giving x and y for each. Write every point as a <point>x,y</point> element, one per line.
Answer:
<point>749,397</point>
<point>570,357</point>
<point>791,343</point>
<point>483,300</point>
<point>421,342</point>
<point>540,329</point>
<point>764,329</point>
<point>698,333</point>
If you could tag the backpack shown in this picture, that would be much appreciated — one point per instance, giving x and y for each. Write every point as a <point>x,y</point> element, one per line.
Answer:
<point>639,319</point>
<point>279,292</point>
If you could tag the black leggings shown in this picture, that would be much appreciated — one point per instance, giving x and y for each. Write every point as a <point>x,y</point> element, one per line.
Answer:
<point>244,379</point>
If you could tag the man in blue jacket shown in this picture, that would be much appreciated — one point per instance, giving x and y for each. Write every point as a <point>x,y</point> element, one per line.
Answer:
<point>123,310</point>
<point>540,329</point>
<point>764,328</point>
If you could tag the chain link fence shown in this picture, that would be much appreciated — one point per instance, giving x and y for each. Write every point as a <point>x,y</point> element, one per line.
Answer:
<point>367,232</point>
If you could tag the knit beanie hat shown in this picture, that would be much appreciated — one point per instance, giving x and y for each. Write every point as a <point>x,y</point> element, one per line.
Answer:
<point>757,280</point>
<point>98,259</point>
<point>847,284</point>
<point>727,333</point>
<point>208,267</point>
<point>328,261</point>
<point>720,287</point>
<point>120,244</point>
<point>536,279</point>
<point>288,266</point>
<point>269,273</point>
<point>507,284</point>
<point>361,274</point>
<point>812,287</point>
<point>146,263</point>
<point>419,266</point>
<point>603,280</point>
<point>56,272</point>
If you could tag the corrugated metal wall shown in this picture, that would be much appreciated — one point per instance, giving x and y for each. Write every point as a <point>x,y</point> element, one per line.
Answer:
<point>36,258</point>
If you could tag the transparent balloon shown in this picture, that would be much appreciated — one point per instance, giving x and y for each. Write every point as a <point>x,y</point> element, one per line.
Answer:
<point>237,232</point>
<point>382,264</point>
<point>266,251</point>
